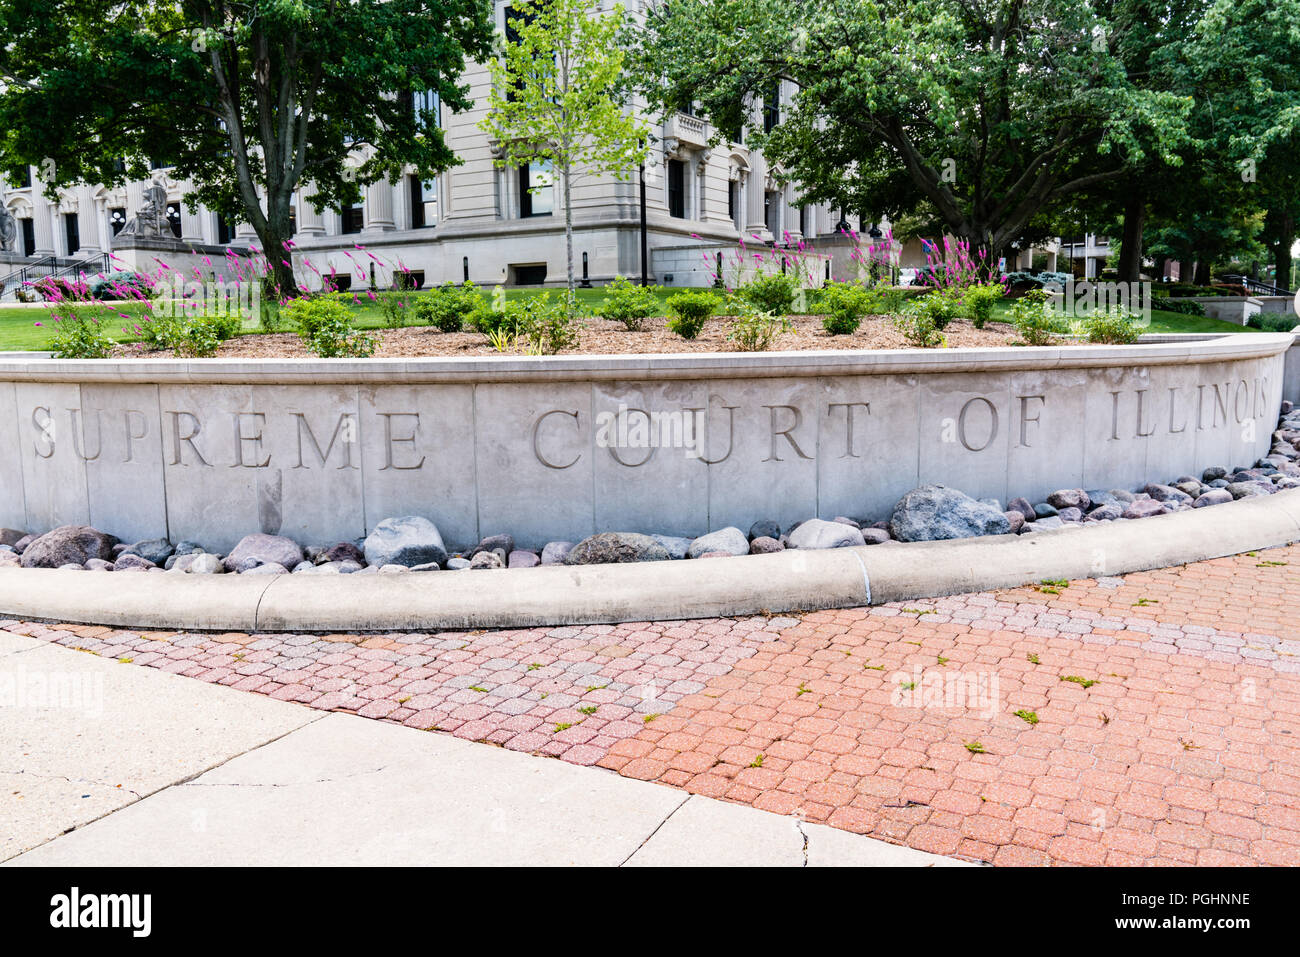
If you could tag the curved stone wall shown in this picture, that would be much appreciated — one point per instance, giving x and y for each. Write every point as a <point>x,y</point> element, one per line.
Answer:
<point>554,448</point>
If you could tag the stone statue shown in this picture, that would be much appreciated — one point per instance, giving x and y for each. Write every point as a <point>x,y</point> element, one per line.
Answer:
<point>151,218</point>
<point>8,230</point>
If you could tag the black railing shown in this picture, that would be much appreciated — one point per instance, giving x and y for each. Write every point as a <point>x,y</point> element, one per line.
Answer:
<point>1258,287</point>
<point>53,266</point>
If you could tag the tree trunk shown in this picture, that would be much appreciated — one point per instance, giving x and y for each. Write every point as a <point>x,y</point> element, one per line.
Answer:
<point>1282,253</point>
<point>1130,256</point>
<point>568,228</point>
<point>1201,275</point>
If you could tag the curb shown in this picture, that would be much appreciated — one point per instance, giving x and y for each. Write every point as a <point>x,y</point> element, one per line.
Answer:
<point>789,581</point>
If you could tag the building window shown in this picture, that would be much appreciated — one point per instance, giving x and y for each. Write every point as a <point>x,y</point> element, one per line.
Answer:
<point>117,218</point>
<point>677,189</point>
<point>424,202</point>
<point>536,190</point>
<point>26,180</point>
<point>772,212</point>
<point>224,233</point>
<point>71,232</point>
<point>174,218</point>
<point>733,199</point>
<point>772,107</point>
<point>354,218</point>
<point>803,221</point>
<point>293,220</point>
<point>428,109</point>
<point>29,236</point>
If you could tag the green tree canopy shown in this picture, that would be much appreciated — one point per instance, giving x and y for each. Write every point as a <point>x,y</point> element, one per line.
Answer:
<point>237,95</point>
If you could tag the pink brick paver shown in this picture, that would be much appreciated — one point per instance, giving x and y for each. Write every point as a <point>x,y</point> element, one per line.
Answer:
<point>1176,742</point>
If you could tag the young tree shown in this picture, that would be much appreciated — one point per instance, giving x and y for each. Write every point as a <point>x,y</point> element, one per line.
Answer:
<point>237,95</point>
<point>994,110</point>
<point>558,97</point>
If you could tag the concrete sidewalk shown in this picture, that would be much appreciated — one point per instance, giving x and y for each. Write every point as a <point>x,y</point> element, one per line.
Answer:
<point>133,766</point>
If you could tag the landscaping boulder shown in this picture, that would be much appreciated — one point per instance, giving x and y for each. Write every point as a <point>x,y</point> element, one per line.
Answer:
<point>68,545</point>
<point>1167,493</point>
<point>1144,508</point>
<point>267,568</point>
<point>11,536</point>
<point>203,564</point>
<point>454,564</point>
<point>155,550</point>
<point>343,552</point>
<point>1044,510</point>
<point>260,549</point>
<point>764,528</point>
<point>816,533</point>
<point>1016,519</point>
<point>935,513</point>
<point>1237,489</point>
<point>617,547</point>
<point>1105,513</point>
<point>1070,514</point>
<point>1024,507</point>
<point>677,547</point>
<point>522,559</point>
<point>730,540</point>
<point>1069,498</point>
<point>875,536</point>
<point>554,552</point>
<point>409,540</point>
<point>488,559</point>
<point>765,544</point>
<point>1215,496</point>
<point>189,548</point>
<point>131,562</point>
<point>506,543</point>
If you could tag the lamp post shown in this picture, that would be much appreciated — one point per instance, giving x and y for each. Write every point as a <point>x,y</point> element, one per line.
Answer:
<point>644,254</point>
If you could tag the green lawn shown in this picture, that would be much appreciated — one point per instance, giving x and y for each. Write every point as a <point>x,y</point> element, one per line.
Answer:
<point>19,332</point>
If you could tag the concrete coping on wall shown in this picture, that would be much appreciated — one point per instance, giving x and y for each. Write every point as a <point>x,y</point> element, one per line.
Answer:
<point>789,581</point>
<point>746,365</point>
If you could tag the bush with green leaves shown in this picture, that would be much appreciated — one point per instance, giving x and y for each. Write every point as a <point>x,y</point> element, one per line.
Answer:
<point>1112,327</point>
<point>755,331</point>
<point>1184,307</point>
<point>77,331</point>
<point>1035,320</point>
<point>940,307</point>
<point>549,325</point>
<point>689,311</point>
<point>979,301</point>
<point>122,284</point>
<point>394,310</point>
<point>450,306</point>
<point>326,329</point>
<point>188,336</point>
<point>774,293</point>
<point>918,328</point>
<point>629,303</point>
<point>845,303</point>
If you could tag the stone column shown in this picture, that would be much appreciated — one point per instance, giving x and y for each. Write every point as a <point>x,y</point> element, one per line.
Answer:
<point>192,224</point>
<point>756,187</point>
<point>379,208</point>
<point>310,222</point>
<point>87,221</point>
<point>42,224</point>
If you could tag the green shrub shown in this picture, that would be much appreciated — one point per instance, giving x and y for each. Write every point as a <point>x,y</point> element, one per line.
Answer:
<point>394,310</point>
<point>326,330</point>
<point>689,311</point>
<point>979,301</point>
<point>1037,323</point>
<point>774,293</point>
<point>1272,323</point>
<point>941,307</point>
<point>892,299</point>
<point>918,328</point>
<point>77,331</point>
<point>755,331</point>
<point>629,303</point>
<point>121,285</point>
<point>1186,307</point>
<point>188,336</point>
<point>1115,327</point>
<point>550,326</point>
<point>450,306</point>
<point>845,303</point>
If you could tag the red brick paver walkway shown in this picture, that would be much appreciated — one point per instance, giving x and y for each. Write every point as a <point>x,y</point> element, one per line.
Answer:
<point>1153,719</point>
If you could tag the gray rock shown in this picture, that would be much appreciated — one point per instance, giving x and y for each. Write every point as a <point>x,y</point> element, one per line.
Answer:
<point>9,559</point>
<point>764,528</point>
<point>343,552</point>
<point>843,520</point>
<point>1287,481</point>
<point>260,549</point>
<point>1105,513</point>
<point>11,536</point>
<point>490,559</point>
<point>816,533</point>
<point>457,563</point>
<point>1219,483</point>
<point>308,568</point>
<point>156,551</point>
<point>1166,493</point>
<point>396,569</point>
<point>204,564</point>
<point>677,547</point>
<point>20,546</point>
<point>269,568</point>
<point>936,513</point>
<point>1212,473</point>
<point>555,552</point>
<point>1070,514</point>
<point>1069,498</point>
<point>430,567</point>
<point>189,548</point>
<point>764,545</point>
<point>72,567</point>
<point>875,536</point>
<point>68,545</point>
<point>617,547</point>
<point>523,559</point>
<point>1247,489</point>
<point>98,565</point>
<point>730,540</point>
<point>1024,507</point>
<point>492,543</point>
<point>408,540</point>
<point>1044,510</point>
<point>1047,523</point>
<point>1016,519</point>
<point>1144,508</point>
<point>1215,496</point>
<point>129,562</point>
